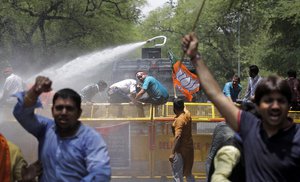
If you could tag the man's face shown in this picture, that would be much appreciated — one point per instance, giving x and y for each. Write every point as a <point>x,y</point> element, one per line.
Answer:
<point>7,72</point>
<point>252,74</point>
<point>66,114</point>
<point>140,76</point>
<point>235,82</point>
<point>273,109</point>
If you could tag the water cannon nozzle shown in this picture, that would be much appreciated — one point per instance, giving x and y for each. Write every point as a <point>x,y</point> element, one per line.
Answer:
<point>158,37</point>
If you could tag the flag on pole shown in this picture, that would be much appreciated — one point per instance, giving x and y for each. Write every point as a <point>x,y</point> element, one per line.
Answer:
<point>185,81</point>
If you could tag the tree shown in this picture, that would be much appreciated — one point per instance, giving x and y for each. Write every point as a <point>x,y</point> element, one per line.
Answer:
<point>42,31</point>
<point>284,32</point>
<point>217,29</point>
<point>258,32</point>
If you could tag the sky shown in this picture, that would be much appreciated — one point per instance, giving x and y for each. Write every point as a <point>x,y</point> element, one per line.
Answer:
<point>153,4</point>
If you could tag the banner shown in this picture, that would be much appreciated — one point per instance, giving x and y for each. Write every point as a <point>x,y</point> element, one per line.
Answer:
<point>185,81</point>
<point>117,138</point>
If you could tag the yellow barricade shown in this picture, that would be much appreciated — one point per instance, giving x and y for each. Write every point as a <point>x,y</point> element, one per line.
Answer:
<point>139,138</point>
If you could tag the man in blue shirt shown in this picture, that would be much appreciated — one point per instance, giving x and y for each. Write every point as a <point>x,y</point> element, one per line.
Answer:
<point>68,150</point>
<point>233,88</point>
<point>158,94</point>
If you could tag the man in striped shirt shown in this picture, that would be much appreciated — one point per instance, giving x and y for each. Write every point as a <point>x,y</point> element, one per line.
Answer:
<point>253,81</point>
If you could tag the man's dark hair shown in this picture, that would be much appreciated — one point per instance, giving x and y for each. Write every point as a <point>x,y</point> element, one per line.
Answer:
<point>292,73</point>
<point>141,73</point>
<point>102,84</point>
<point>68,93</point>
<point>237,77</point>
<point>253,69</point>
<point>250,107</point>
<point>178,104</point>
<point>270,85</point>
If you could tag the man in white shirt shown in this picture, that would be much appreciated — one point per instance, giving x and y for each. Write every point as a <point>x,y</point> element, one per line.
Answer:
<point>253,81</point>
<point>13,84</point>
<point>122,91</point>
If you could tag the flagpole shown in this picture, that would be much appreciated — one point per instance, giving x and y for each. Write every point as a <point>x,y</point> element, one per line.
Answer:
<point>175,94</point>
<point>194,27</point>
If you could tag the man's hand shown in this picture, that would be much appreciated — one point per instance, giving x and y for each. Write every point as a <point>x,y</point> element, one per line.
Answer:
<point>190,45</point>
<point>42,84</point>
<point>171,158</point>
<point>32,171</point>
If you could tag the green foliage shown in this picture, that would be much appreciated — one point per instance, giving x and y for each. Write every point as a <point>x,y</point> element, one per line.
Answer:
<point>265,33</point>
<point>43,31</point>
<point>284,45</point>
<point>262,32</point>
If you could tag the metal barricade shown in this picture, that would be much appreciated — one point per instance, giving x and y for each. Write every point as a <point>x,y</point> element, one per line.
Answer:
<point>139,138</point>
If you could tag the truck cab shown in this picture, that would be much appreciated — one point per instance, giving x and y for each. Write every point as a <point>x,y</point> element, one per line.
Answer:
<point>152,63</point>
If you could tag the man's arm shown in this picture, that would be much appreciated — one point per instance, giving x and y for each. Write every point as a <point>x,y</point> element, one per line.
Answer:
<point>176,145</point>
<point>226,91</point>
<point>177,139</point>
<point>140,94</point>
<point>225,160</point>
<point>208,83</point>
<point>27,102</point>
<point>97,160</point>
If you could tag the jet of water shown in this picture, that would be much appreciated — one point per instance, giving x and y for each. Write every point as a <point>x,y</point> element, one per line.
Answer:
<point>87,65</point>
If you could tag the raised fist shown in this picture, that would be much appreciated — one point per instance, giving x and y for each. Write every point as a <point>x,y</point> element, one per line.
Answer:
<point>42,84</point>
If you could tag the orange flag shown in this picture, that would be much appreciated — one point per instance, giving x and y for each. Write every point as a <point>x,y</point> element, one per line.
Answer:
<point>4,160</point>
<point>185,81</point>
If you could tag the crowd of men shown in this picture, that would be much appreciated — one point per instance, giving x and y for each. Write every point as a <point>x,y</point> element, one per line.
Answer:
<point>263,143</point>
<point>68,150</point>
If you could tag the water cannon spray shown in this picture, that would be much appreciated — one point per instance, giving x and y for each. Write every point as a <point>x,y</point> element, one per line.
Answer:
<point>158,37</point>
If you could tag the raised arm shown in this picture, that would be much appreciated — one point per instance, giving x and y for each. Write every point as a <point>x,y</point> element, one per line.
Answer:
<point>27,102</point>
<point>208,82</point>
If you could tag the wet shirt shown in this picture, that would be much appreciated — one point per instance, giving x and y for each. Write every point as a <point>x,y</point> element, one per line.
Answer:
<point>82,157</point>
<point>229,91</point>
<point>127,86</point>
<point>154,88</point>
<point>275,158</point>
<point>12,85</point>
<point>89,91</point>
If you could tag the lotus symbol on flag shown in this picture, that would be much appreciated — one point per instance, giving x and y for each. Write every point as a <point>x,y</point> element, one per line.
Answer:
<point>186,81</point>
